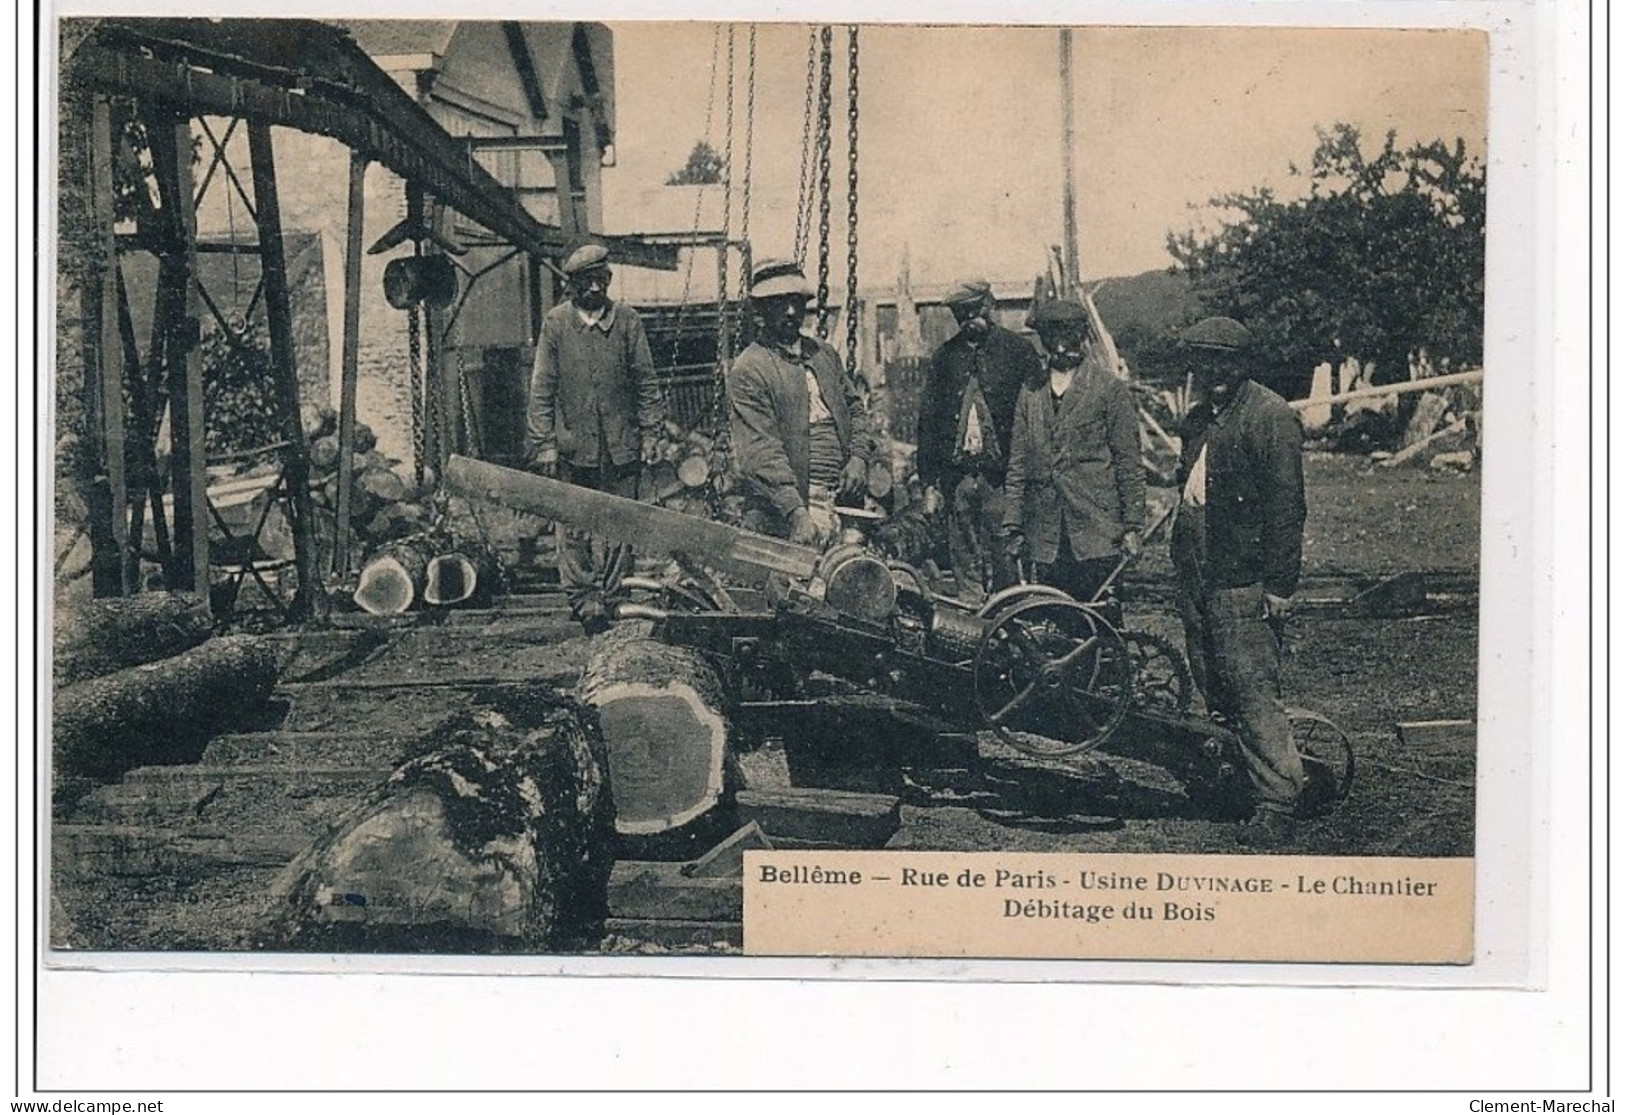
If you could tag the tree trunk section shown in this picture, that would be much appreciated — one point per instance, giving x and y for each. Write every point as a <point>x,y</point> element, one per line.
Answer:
<point>160,712</point>
<point>392,579</point>
<point>497,836</point>
<point>664,714</point>
<point>99,637</point>
<point>462,572</point>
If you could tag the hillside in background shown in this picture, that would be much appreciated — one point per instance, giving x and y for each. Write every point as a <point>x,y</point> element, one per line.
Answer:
<point>1146,313</point>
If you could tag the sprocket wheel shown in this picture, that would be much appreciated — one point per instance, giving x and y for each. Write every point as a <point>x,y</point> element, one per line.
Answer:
<point>1162,679</point>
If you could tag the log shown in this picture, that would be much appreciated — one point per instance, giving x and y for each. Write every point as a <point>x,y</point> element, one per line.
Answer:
<point>97,637</point>
<point>382,485</point>
<point>324,454</point>
<point>397,521</point>
<point>664,714</point>
<point>392,579</point>
<point>160,712</point>
<point>316,419</point>
<point>1415,448</point>
<point>497,836</point>
<point>694,471</point>
<point>1429,412</point>
<point>464,574</point>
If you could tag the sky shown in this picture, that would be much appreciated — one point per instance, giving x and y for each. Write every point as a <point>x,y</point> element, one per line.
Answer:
<point>960,131</point>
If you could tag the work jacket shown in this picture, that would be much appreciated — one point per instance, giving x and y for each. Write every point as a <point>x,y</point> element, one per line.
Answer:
<point>1075,467</point>
<point>768,411</point>
<point>1254,508</point>
<point>1001,365</point>
<point>593,394</point>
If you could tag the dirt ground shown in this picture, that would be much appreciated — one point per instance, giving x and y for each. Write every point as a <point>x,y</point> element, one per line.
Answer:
<point>1366,675</point>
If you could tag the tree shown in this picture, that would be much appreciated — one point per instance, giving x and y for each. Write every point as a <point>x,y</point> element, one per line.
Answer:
<point>1382,259</point>
<point>704,168</point>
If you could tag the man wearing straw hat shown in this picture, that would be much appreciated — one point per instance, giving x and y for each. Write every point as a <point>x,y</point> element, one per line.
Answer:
<point>595,413</point>
<point>801,436</point>
<point>966,412</point>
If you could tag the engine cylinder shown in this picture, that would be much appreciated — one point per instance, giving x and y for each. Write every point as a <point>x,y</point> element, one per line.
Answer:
<point>954,634</point>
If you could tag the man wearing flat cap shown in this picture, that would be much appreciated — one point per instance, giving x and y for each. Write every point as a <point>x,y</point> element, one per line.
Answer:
<point>801,435</point>
<point>967,408</point>
<point>1237,549</point>
<point>1075,490</point>
<point>595,412</point>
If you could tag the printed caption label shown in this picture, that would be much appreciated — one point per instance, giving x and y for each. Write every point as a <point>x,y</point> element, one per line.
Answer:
<point>1121,907</point>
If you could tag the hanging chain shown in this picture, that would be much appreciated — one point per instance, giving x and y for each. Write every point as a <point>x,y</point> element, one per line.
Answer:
<point>744,196</point>
<point>414,373</point>
<point>688,268</point>
<point>434,425</point>
<point>804,183</point>
<point>724,333</point>
<point>825,59</point>
<point>852,199</point>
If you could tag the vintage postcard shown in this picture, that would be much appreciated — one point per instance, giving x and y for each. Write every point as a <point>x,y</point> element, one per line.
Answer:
<point>647,491</point>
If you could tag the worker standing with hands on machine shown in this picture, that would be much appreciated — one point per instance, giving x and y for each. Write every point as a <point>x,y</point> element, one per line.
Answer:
<point>801,435</point>
<point>966,413</point>
<point>1075,489</point>
<point>594,417</point>
<point>1238,549</point>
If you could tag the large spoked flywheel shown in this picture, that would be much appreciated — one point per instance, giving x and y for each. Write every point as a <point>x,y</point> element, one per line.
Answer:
<point>1052,677</point>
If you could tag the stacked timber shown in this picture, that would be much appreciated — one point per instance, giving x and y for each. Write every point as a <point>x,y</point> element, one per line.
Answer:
<point>691,473</point>
<point>497,836</point>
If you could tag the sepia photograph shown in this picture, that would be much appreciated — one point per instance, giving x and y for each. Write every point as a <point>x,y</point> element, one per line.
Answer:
<point>671,489</point>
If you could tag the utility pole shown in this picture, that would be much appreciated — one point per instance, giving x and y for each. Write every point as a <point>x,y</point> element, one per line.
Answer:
<point>1069,207</point>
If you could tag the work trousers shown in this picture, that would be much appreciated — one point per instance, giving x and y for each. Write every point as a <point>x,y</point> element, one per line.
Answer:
<point>1082,580</point>
<point>588,565</point>
<point>1236,660</point>
<point>974,543</point>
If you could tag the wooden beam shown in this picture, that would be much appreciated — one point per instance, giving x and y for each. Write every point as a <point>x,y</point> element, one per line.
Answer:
<point>1429,384</point>
<point>350,370</point>
<point>279,324</point>
<point>104,376</point>
<point>171,140</point>
<point>342,94</point>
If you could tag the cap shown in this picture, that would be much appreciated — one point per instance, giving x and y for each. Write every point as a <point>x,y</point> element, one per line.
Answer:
<point>772,278</point>
<point>1221,334</point>
<point>1056,311</point>
<point>585,258</point>
<point>969,292</point>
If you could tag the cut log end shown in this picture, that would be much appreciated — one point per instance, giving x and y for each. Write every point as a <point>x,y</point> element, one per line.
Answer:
<point>666,751</point>
<point>451,579</point>
<point>663,712</point>
<point>387,587</point>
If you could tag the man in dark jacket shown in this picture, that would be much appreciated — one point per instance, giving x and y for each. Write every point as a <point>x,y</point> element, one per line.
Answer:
<point>801,435</point>
<point>595,413</point>
<point>966,412</point>
<point>1075,490</point>
<point>1237,548</point>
